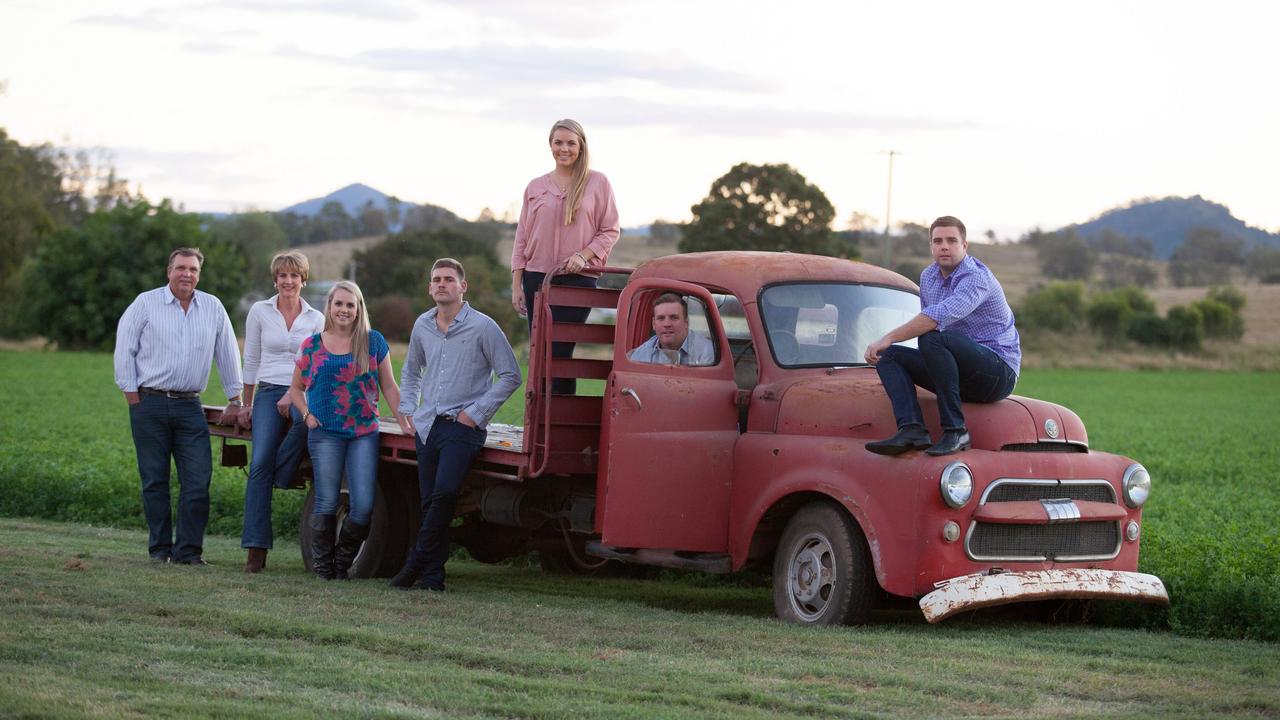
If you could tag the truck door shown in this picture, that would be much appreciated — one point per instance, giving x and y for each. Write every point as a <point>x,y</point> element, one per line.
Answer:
<point>668,433</point>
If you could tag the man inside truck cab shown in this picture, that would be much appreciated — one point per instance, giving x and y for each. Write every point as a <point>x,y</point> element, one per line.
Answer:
<point>672,342</point>
<point>969,349</point>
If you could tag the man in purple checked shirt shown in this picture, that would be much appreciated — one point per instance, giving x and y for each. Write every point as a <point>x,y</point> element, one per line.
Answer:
<point>968,347</point>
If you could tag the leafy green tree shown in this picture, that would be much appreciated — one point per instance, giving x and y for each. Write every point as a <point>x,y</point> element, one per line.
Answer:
<point>1110,313</point>
<point>1227,295</point>
<point>1149,328</point>
<point>1058,306</point>
<point>1065,255</point>
<point>1186,327</point>
<point>81,280</point>
<point>1118,271</point>
<point>761,207</point>
<point>1220,311</point>
<point>1109,316</point>
<point>429,217</point>
<point>333,223</point>
<point>662,232</point>
<point>1264,264</point>
<point>372,220</point>
<point>1206,257</point>
<point>30,199</point>
<point>400,265</point>
<point>258,236</point>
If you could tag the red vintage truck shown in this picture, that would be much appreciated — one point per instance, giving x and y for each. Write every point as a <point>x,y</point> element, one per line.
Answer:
<point>758,460</point>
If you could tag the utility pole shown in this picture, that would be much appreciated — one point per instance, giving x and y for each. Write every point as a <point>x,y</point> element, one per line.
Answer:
<point>888,205</point>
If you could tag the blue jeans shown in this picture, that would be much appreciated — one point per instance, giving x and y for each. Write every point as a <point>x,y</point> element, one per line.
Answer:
<point>330,455</point>
<point>950,365</point>
<point>277,451</point>
<point>443,462</point>
<point>165,427</point>
<point>532,282</point>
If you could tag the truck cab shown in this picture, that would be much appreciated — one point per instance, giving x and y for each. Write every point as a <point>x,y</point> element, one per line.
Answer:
<point>758,459</point>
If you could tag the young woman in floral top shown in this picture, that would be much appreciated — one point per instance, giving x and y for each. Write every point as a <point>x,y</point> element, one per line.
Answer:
<point>335,386</point>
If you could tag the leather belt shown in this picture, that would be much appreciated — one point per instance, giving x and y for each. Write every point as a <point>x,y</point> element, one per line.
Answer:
<point>172,394</point>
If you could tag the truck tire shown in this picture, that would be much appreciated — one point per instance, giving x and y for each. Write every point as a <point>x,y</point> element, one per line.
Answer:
<point>822,573</point>
<point>372,560</point>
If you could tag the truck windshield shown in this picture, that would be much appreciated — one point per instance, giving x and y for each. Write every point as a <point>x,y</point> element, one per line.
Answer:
<point>831,324</point>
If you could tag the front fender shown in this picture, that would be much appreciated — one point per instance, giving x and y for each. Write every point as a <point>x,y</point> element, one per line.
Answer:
<point>880,493</point>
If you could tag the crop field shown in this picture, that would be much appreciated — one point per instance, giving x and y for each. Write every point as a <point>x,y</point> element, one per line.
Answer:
<point>1210,528</point>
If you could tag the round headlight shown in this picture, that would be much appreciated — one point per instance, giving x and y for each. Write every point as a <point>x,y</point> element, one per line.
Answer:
<point>1137,485</point>
<point>956,485</point>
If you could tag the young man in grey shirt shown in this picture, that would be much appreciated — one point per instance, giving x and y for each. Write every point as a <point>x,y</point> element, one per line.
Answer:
<point>447,397</point>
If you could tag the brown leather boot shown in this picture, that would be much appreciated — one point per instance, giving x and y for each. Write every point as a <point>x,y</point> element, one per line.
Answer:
<point>257,560</point>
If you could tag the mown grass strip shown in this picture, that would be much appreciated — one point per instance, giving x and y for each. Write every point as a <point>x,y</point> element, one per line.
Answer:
<point>93,628</point>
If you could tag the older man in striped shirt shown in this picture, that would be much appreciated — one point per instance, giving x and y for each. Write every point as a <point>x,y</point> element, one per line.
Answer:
<point>164,343</point>
<point>969,349</point>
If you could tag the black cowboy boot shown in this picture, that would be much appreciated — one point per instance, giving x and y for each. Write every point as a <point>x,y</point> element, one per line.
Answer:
<point>349,542</point>
<point>323,528</point>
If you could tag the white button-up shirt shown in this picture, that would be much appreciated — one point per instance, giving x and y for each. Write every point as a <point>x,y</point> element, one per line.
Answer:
<point>160,346</point>
<point>270,348</point>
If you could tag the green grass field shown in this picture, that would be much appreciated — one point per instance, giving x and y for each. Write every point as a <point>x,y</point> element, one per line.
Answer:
<point>1209,532</point>
<point>93,629</point>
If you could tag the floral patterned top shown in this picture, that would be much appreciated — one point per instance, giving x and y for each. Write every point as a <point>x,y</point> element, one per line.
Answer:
<point>345,403</point>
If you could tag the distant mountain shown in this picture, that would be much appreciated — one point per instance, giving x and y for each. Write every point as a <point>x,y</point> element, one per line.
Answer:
<point>352,198</point>
<point>1166,222</point>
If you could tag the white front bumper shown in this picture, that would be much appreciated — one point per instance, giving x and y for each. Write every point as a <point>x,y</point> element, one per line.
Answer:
<point>970,592</point>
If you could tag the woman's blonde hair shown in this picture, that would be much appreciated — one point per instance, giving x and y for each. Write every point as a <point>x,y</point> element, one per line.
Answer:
<point>290,260</point>
<point>581,167</point>
<point>360,331</point>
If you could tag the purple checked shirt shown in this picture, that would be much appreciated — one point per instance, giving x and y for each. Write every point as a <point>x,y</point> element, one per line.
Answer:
<point>971,302</point>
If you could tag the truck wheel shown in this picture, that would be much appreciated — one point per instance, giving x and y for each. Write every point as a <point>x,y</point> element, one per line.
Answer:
<point>369,561</point>
<point>821,569</point>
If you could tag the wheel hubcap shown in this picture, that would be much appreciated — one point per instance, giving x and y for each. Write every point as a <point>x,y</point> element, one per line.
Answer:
<point>811,577</point>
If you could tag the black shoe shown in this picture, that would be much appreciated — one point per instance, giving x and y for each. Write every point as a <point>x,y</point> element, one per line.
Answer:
<point>161,557</point>
<point>406,578</point>
<point>425,584</point>
<point>911,436</point>
<point>197,560</point>
<point>349,542</point>
<point>953,441</point>
<point>323,529</point>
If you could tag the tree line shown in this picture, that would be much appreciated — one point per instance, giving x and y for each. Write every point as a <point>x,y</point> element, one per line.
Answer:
<point>76,245</point>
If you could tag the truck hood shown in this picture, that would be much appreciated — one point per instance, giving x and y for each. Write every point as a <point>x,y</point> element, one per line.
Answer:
<point>852,403</point>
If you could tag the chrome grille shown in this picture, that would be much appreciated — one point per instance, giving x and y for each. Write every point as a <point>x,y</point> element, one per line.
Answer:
<point>1033,543</point>
<point>1013,490</point>
<point>1051,447</point>
<point>1064,542</point>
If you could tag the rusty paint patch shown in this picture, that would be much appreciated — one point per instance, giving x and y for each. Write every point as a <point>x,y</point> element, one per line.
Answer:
<point>977,591</point>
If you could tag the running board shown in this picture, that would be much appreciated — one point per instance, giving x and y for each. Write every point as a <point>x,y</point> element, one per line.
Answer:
<point>702,562</point>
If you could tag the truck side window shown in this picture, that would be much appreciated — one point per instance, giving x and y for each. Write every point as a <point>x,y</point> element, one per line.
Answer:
<point>680,333</point>
<point>746,373</point>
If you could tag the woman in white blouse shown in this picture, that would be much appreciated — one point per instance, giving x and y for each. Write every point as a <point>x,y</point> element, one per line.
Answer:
<point>273,332</point>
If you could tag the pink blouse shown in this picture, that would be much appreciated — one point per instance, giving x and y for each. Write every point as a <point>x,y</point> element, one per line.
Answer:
<point>543,241</point>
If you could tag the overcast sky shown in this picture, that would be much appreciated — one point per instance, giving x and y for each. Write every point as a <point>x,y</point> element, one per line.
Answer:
<point>1007,114</point>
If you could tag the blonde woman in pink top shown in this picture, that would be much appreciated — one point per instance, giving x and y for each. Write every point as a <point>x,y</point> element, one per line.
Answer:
<point>568,223</point>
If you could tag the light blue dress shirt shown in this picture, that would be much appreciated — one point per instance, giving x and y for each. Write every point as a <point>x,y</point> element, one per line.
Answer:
<point>159,346</point>
<point>450,372</point>
<point>695,350</point>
